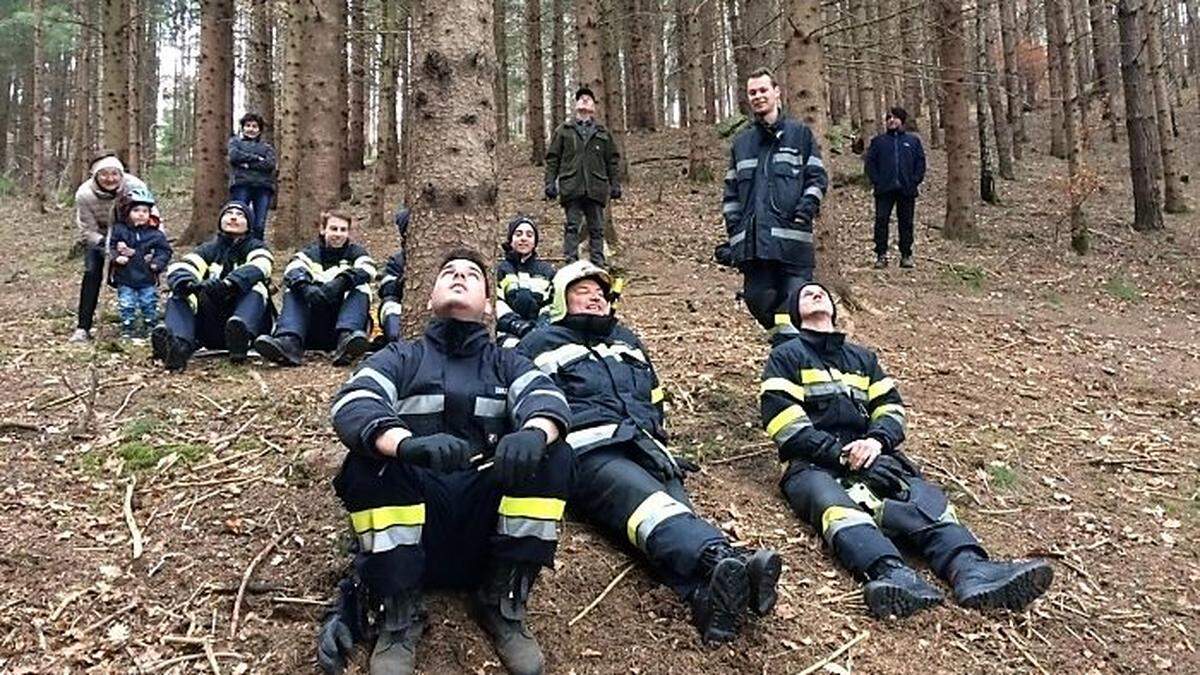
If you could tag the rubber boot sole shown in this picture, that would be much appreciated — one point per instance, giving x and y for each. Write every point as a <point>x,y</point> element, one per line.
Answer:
<point>885,599</point>
<point>355,347</point>
<point>764,568</point>
<point>729,597</point>
<point>237,339</point>
<point>270,350</point>
<point>160,343</point>
<point>1014,593</point>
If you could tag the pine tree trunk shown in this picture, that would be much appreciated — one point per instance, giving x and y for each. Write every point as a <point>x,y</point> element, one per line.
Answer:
<point>335,13</point>
<point>453,162</point>
<point>590,58</point>
<point>933,56</point>
<point>755,23</point>
<point>679,40</point>
<point>535,107</point>
<point>149,79</point>
<point>1104,48</point>
<point>1055,63</point>
<point>995,97</point>
<point>388,139</point>
<point>6,107</point>
<point>500,38</point>
<point>691,43</point>
<point>558,93</point>
<point>614,105</point>
<point>323,118</point>
<point>708,16</point>
<point>1193,39</point>
<point>214,117</point>
<point>987,179</point>
<point>642,101</point>
<point>868,98</point>
<point>960,211</point>
<point>1012,77</point>
<point>81,130</point>
<point>1080,36</point>
<point>1173,195</point>
<point>116,77</point>
<point>1139,120</point>
<point>913,102</point>
<point>260,93</point>
<point>722,68</point>
<point>37,183</point>
<point>356,139</point>
<point>1056,16</point>
<point>655,29</point>
<point>133,114</point>
<point>58,95</point>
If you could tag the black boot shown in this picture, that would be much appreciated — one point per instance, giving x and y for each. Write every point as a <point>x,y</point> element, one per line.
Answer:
<point>895,589</point>
<point>403,623</point>
<point>763,566</point>
<point>160,342</point>
<point>718,605</point>
<point>351,345</point>
<point>499,606</point>
<point>980,583</point>
<point>178,353</point>
<point>285,349</point>
<point>237,339</point>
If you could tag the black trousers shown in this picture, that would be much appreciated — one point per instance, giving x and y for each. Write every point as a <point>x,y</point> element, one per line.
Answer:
<point>318,327</point>
<point>766,287</point>
<point>89,287</point>
<point>579,210</point>
<point>905,208</point>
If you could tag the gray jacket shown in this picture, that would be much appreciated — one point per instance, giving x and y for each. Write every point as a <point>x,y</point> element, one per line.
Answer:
<point>94,208</point>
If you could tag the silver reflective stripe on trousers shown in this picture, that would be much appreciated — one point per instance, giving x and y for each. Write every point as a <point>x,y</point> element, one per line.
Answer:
<point>852,518</point>
<point>815,161</point>
<point>657,508</point>
<point>815,192</point>
<point>421,404</point>
<point>796,235</point>
<point>747,164</point>
<point>390,538</point>
<point>546,530</point>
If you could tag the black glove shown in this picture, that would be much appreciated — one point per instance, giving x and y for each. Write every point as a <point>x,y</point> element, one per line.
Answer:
<point>614,192</point>
<point>521,327</point>
<point>551,190</point>
<point>333,290</point>
<point>211,288</point>
<point>804,215</point>
<point>186,287</point>
<point>518,455</point>
<point>335,645</point>
<point>828,453</point>
<point>441,452</point>
<point>524,302</point>
<point>312,294</point>
<point>886,477</point>
<point>723,254</point>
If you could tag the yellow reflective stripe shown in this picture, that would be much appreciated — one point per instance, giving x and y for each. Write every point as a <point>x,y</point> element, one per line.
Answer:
<point>835,514</point>
<point>894,409</point>
<point>197,262</point>
<point>783,320</point>
<point>880,388</point>
<point>308,262</point>
<point>384,517</point>
<point>653,510</point>
<point>656,395</point>
<point>790,414</point>
<point>813,375</point>
<point>782,385</point>
<point>297,265</point>
<point>855,380</point>
<point>543,508</point>
<point>508,280</point>
<point>618,286</point>
<point>366,264</point>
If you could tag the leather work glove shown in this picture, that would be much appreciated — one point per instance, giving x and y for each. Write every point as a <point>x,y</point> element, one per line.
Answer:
<point>335,645</point>
<point>521,327</point>
<point>518,456</point>
<point>886,477</point>
<point>614,192</point>
<point>723,255</point>
<point>442,453</point>
<point>212,288</point>
<point>525,302</point>
<point>551,190</point>
<point>186,287</point>
<point>333,290</point>
<point>312,294</point>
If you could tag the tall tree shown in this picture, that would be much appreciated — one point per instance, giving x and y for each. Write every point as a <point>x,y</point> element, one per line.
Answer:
<point>935,94</point>
<point>385,130</point>
<point>335,13</point>
<point>500,38</point>
<point>37,185</point>
<point>1104,48</point>
<point>995,94</point>
<point>1173,196</point>
<point>1055,61</point>
<point>960,205</point>
<point>708,15</point>
<point>116,77</point>
<point>987,179</point>
<point>356,139</point>
<point>81,129</point>
<point>148,78</point>
<point>558,93</point>
<point>868,101</point>
<point>913,102</point>
<point>614,104</point>
<point>453,164</point>
<point>755,20</point>
<point>1012,77</point>
<point>260,90</point>
<point>1139,120</point>
<point>1056,15</point>
<point>535,106</point>
<point>323,118</point>
<point>699,169</point>
<point>214,116</point>
<point>640,88</point>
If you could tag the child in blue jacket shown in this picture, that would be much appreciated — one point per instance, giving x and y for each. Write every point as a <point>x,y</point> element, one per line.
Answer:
<point>139,251</point>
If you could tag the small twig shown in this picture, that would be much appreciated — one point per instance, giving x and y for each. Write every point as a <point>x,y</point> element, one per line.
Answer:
<point>154,667</point>
<point>946,473</point>
<point>237,603</point>
<point>135,534</point>
<point>592,605</point>
<point>105,620</point>
<point>745,455</point>
<point>1025,652</point>
<point>212,658</point>
<point>19,426</point>
<point>128,397</point>
<point>836,653</point>
<point>283,599</point>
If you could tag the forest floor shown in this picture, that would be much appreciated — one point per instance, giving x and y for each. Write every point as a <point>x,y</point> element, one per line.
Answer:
<point>1056,397</point>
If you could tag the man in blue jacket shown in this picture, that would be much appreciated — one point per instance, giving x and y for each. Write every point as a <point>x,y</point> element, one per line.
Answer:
<point>773,191</point>
<point>252,172</point>
<point>895,163</point>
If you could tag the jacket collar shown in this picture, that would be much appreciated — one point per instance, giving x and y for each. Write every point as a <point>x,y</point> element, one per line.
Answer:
<point>515,258</point>
<point>590,327</point>
<point>457,338</point>
<point>823,343</point>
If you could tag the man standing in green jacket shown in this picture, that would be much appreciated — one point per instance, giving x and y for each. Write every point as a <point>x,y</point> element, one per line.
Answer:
<point>581,171</point>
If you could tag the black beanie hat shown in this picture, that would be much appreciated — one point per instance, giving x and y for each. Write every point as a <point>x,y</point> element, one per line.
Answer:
<point>584,91</point>
<point>794,303</point>
<point>517,222</point>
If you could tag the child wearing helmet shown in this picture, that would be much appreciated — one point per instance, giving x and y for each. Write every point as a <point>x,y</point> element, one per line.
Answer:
<point>139,251</point>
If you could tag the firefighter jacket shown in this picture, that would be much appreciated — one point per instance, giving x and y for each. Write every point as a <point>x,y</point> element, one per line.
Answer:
<point>391,286</point>
<point>773,190</point>
<point>244,261</point>
<point>454,379</point>
<point>319,264</point>
<point>523,289</point>
<point>603,369</point>
<point>151,249</point>
<point>820,392</point>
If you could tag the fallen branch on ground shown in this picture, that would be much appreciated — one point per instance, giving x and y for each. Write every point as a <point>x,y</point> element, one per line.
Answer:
<point>836,653</point>
<point>237,603</point>
<point>135,534</point>
<point>599,598</point>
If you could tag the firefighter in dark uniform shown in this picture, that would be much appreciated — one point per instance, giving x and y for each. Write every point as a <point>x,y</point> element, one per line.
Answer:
<point>629,485</point>
<point>219,295</point>
<point>327,301</point>
<point>773,191</point>
<point>391,286</point>
<point>456,476</point>
<point>523,284</point>
<point>839,421</point>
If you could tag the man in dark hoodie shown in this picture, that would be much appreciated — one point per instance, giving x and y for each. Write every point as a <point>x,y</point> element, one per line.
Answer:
<point>140,253</point>
<point>327,301</point>
<point>582,172</point>
<point>219,295</point>
<point>252,171</point>
<point>456,477</point>
<point>523,283</point>
<point>629,484</point>
<point>839,422</point>
<point>895,163</point>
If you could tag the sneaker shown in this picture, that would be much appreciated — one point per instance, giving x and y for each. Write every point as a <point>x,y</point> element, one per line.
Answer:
<point>906,261</point>
<point>80,335</point>
<point>881,262</point>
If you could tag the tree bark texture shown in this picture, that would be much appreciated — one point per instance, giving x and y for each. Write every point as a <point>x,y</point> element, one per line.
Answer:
<point>1012,76</point>
<point>1105,49</point>
<point>535,108</point>
<point>699,135</point>
<point>356,139</point>
<point>37,183</point>
<point>1173,195</point>
<point>214,117</point>
<point>995,97</point>
<point>558,92</point>
<point>960,205</point>
<point>1139,119</point>
<point>500,38</point>
<point>1056,15</point>
<point>1055,62</point>
<point>115,110</point>
<point>260,71</point>
<point>386,129</point>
